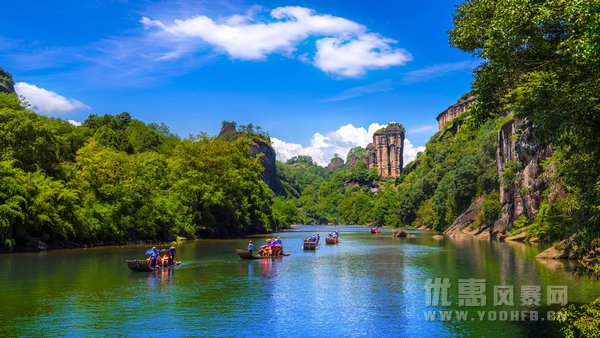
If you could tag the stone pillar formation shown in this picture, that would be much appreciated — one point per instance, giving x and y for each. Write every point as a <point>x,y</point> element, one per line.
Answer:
<point>385,153</point>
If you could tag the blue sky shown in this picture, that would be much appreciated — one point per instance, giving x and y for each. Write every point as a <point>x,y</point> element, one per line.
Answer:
<point>303,70</point>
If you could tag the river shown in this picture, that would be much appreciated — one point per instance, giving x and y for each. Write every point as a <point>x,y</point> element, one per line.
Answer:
<point>364,286</point>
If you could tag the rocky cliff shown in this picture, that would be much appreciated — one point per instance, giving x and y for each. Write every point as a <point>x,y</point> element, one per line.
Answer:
<point>522,184</point>
<point>385,153</point>
<point>463,225</point>
<point>453,111</point>
<point>6,82</point>
<point>268,162</point>
<point>260,146</point>
<point>335,164</point>
<point>353,159</point>
<point>518,163</point>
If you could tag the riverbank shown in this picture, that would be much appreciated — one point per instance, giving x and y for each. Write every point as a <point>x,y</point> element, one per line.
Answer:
<point>36,245</point>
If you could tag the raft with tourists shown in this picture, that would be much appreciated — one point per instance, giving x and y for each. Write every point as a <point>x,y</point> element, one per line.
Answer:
<point>332,237</point>
<point>273,249</point>
<point>142,265</point>
<point>311,243</point>
<point>375,230</point>
<point>155,261</point>
<point>331,240</point>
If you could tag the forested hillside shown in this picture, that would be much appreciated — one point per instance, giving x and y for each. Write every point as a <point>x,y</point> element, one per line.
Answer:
<point>115,179</point>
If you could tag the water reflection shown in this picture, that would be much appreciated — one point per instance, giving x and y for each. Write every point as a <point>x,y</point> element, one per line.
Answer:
<point>367,285</point>
<point>160,277</point>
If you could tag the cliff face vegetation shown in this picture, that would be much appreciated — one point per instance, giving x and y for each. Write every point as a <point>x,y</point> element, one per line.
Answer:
<point>541,61</point>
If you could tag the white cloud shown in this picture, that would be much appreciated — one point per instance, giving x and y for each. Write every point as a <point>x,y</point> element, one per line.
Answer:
<point>381,86</point>
<point>47,101</point>
<point>352,58</point>
<point>410,151</point>
<point>75,123</point>
<point>322,147</point>
<point>343,47</point>
<point>436,71</point>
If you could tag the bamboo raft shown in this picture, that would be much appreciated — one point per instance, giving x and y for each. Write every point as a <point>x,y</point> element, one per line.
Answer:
<point>331,240</point>
<point>142,265</point>
<point>245,254</point>
<point>310,245</point>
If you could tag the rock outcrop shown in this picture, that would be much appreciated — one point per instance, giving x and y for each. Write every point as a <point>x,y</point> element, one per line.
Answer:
<point>518,163</point>
<point>385,153</point>
<point>6,82</point>
<point>268,161</point>
<point>335,164</point>
<point>553,253</point>
<point>353,160</point>
<point>355,155</point>
<point>260,146</point>
<point>453,111</point>
<point>462,225</point>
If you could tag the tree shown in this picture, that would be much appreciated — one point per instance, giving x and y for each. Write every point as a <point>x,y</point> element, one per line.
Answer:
<point>542,60</point>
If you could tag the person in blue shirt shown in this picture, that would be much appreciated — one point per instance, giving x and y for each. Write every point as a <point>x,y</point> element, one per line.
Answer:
<point>153,256</point>
<point>250,247</point>
<point>318,237</point>
<point>172,252</point>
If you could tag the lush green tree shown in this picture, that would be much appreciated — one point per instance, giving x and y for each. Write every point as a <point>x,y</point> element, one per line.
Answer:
<point>221,185</point>
<point>580,321</point>
<point>542,60</point>
<point>34,205</point>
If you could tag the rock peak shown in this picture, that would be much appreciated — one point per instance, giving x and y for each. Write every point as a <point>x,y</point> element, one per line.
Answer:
<point>385,153</point>
<point>6,82</point>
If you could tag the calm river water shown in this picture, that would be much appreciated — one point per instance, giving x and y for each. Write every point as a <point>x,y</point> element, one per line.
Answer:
<point>365,286</point>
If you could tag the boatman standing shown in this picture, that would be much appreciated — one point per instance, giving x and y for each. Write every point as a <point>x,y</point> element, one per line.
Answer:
<point>153,256</point>
<point>250,247</point>
<point>172,251</point>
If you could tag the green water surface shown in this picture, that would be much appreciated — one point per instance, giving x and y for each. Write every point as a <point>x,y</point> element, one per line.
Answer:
<point>365,286</point>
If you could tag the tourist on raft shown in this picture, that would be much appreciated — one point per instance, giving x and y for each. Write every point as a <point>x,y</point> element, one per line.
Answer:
<point>313,238</point>
<point>250,247</point>
<point>277,248</point>
<point>166,259</point>
<point>153,257</point>
<point>274,247</point>
<point>172,252</point>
